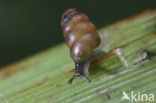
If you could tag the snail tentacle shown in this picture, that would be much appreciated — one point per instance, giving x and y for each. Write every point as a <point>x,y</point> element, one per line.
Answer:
<point>79,67</point>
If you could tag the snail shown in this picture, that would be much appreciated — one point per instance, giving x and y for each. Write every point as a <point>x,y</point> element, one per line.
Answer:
<point>82,39</point>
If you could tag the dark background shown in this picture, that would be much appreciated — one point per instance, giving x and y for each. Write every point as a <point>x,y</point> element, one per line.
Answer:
<point>27,27</point>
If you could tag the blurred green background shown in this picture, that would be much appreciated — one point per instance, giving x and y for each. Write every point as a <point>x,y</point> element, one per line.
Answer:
<point>28,26</point>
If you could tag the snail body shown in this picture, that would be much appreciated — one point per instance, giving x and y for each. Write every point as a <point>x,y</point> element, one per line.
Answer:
<point>82,39</point>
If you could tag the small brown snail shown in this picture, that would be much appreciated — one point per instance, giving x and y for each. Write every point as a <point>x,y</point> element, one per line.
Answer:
<point>82,39</point>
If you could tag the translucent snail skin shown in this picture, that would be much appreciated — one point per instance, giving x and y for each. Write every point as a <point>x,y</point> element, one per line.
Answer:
<point>82,39</point>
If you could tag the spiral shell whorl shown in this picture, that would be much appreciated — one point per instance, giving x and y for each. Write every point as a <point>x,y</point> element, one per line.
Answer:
<point>80,34</point>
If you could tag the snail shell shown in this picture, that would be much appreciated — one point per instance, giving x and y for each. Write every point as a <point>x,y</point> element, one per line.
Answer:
<point>81,37</point>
